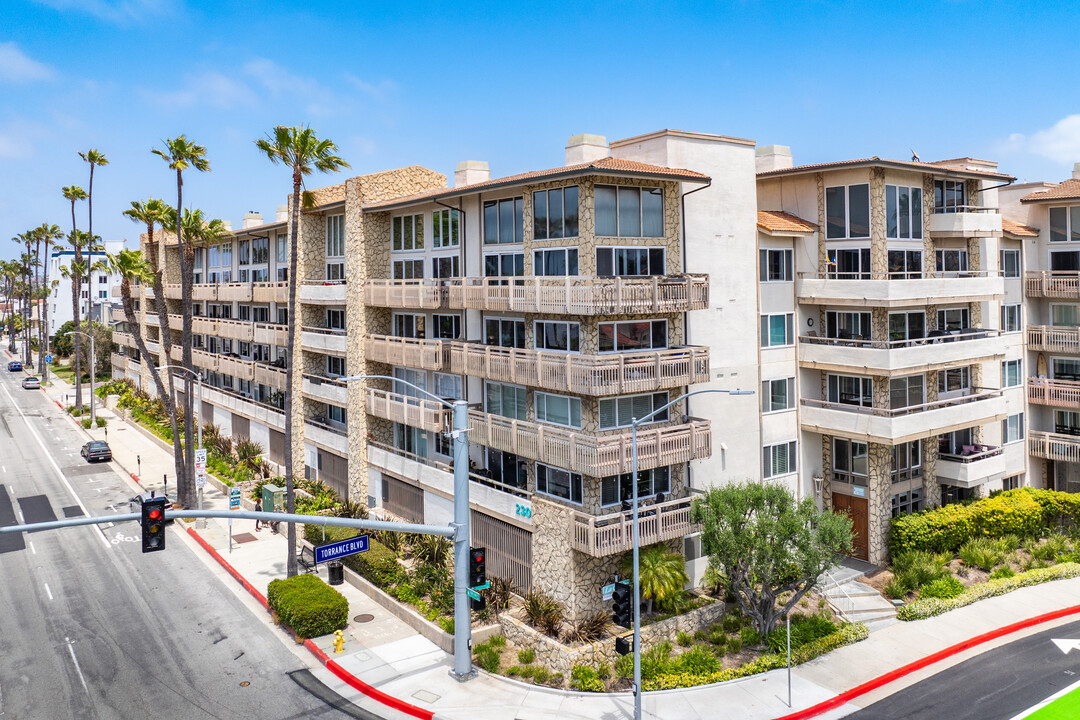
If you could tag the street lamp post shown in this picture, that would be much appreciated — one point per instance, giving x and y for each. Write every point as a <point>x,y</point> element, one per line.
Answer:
<point>463,669</point>
<point>198,422</point>
<point>93,415</point>
<point>634,422</point>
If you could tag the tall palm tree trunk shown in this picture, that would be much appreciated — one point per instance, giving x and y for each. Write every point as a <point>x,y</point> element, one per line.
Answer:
<point>43,347</point>
<point>290,369</point>
<point>187,255</point>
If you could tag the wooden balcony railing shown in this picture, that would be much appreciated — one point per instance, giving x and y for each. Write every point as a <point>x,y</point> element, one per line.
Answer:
<point>609,534</point>
<point>423,414</point>
<point>408,352</point>
<point>233,291</point>
<point>1059,393</point>
<point>1053,339</point>
<point>1045,283</point>
<point>590,454</point>
<point>123,339</point>
<point>1052,446</point>
<point>574,295</point>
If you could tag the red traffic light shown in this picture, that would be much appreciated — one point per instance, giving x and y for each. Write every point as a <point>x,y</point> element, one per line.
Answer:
<point>478,557</point>
<point>154,514</point>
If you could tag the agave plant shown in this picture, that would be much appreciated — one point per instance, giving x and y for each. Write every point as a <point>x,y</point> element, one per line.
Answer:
<point>431,550</point>
<point>211,433</point>
<point>248,453</point>
<point>543,612</point>
<point>350,509</point>
<point>589,628</point>
<point>498,595</point>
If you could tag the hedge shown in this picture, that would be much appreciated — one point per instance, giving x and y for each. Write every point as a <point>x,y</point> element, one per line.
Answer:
<point>1024,512</point>
<point>846,635</point>
<point>929,607</point>
<point>379,564</point>
<point>308,605</point>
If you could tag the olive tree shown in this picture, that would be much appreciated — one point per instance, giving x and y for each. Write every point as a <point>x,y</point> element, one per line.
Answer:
<point>767,543</point>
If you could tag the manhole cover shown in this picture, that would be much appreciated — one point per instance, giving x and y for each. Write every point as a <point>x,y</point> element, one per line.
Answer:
<point>366,617</point>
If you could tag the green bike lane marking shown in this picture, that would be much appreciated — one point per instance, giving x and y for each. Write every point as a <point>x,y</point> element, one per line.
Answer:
<point>1064,705</point>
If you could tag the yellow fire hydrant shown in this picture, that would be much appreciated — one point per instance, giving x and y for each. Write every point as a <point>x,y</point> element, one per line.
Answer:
<point>339,641</point>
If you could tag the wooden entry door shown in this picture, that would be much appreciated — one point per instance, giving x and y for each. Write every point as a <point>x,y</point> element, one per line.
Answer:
<point>856,509</point>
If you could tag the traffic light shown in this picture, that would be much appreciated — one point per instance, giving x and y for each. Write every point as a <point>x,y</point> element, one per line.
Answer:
<point>622,607</point>
<point>477,575</point>
<point>624,644</point>
<point>153,523</point>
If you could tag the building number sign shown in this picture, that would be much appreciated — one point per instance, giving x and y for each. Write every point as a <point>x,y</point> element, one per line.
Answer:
<point>524,511</point>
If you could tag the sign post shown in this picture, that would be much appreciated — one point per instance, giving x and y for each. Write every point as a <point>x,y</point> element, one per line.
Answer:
<point>234,504</point>
<point>200,477</point>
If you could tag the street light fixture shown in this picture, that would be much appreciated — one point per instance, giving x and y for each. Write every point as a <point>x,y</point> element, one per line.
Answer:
<point>198,421</point>
<point>93,415</point>
<point>634,422</point>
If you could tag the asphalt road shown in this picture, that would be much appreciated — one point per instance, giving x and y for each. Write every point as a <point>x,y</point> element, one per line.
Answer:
<point>999,683</point>
<point>90,627</point>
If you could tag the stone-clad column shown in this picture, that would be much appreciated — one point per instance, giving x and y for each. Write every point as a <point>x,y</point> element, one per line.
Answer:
<point>879,258</point>
<point>879,501</point>
<point>929,255</point>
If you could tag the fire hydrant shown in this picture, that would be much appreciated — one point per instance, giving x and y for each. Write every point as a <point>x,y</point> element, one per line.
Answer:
<point>339,641</point>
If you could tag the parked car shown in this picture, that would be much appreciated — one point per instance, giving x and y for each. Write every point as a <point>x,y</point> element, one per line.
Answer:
<point>31,383</point>
<point>96,450</point>
<point>14,366</point>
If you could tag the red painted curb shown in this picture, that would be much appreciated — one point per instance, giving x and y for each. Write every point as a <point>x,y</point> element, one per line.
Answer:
<point>331,665</point>
<point>844,697</point>
<point>58,404</point>
<point>135,478</point>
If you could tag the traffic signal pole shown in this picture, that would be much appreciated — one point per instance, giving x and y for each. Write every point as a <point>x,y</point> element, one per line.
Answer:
<point>463,669</point>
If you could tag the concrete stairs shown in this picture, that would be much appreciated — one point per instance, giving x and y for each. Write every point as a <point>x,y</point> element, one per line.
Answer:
<point>856,601</point>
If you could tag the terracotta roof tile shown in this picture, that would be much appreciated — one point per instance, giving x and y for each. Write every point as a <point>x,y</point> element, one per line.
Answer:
<point>1067,190</point>
<point>612,165</point>
<point>1019,229</point>
<point>903,164</point>
<point>778,221</point>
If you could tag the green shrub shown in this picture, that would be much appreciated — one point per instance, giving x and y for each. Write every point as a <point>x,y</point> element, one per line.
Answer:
<point>101,422</point>
<point>656,660</point>
<point>604,671</point>
<point>945,587</point>
<point>447,624</point>
<point>732,621</point>
<point>624,666</point>
<point>585,678</point>
<point>734,645</point>
<point>497,641</point>
<point>487,657</point>
<point>541,675</point>
<point>805,629</point>
<point>749,636</point>
<point>308,605</point>
<point>86,423</point>
<point>1002,572</point>
<point>684,639</point>
<point>698,660</point>
<point>1007,543</point>
<point>916,568</point>
<point>543,613</point>
<point>1050,548</point>
<point>717,636</point>
<point>929,607</point>
<point>897,588</point>
<point>982,553</point>
<point>526,656</point>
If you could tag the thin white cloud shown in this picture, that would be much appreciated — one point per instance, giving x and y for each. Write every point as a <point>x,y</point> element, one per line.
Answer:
<point>117,11</point>
<point>19,138</point>
<point>210,88</point>
<point>1060,142</point>
<point>281,84</point>
<point>380,91</point>
<point>16,67</point>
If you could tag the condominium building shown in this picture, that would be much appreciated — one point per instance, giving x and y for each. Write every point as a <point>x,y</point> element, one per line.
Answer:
<point>96,299</point>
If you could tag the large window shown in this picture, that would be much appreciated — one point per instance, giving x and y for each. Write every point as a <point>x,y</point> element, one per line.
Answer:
<point>1012,428</point>
<point>905,264</point>
<point>906,502</point>
<point>616,412</point>
<point>558,482</point>
<point>504,332</point>
<point>1065,261</point>
<point>777,395</point>
<point>615,489</point>
<point>907,461</point>
<point>907,326</point>
<point>410,326</point>
<point>953,382</point>
<point>777,330</point>
<point>851,390</point>
<point>335,366</point>
<point>446,327</point>
<point>445,228</point>
<point>448,387</point>
<point>850,461</point>
<point>282,257</point>
<point>1067,422</point>
<point>951,319</point>
<point>507,468</point>
<point>549,335</point>
<point>1065,315</point>
<point>1010,263</point>
<point>505,400</point>
<point>903,212</point>
<point>629,261</point>
<point>778,459</point>
<point>408,269</point>
<point>1065,368</point>
<point>949,196</point>
<point>1010,318</point>
<point>629,211</point>
<point>557,261</point>
<point>1011,373</point>
<point>848,263</point>
<point>503,221</point>
<point>847,325</point>
<point>906,391</point>
<point>335,236</point>
<point>847,211</point>
<point>776,265</point>
<point>557,409</point>
<point>633,335</point>
<point>1065,224</point>
<point>953,260</point>
<point>446,267</point>
<point>408,233</point>
<point>555,213</point>
<point>504,264</point>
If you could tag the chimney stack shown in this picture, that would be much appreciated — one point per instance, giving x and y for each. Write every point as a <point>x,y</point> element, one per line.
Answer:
<point>586,148</point>
<point>1076,171</point>
<point>282,213</point>
<point>470,172</point>
<point>773,157</point>
<point>227,224</point>
<point>251,219</point>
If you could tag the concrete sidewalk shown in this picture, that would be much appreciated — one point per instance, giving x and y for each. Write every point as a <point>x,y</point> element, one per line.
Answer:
<point>384,653</point>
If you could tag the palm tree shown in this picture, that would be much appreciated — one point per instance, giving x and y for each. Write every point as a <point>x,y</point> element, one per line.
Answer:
<point>26,261</point>
<point>9,270</point>
<point>75,193</point>
<point>299,149</point>
<point>661,573</point>
<point>181,154</point>
<point>50,234</point>
<point>95,158</point>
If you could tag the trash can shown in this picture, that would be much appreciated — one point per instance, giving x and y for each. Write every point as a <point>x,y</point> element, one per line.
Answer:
<point>336,572</point>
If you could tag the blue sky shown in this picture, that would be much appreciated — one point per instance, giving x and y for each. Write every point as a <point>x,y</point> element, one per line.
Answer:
<point>396,84</point>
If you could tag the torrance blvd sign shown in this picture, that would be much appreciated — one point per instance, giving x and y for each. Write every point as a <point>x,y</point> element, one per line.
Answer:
<point>341,548</point>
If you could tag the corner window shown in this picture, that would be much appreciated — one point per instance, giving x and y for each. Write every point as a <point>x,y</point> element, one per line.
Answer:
<point>633,335</point>
<point>777,395</point>
<point>503,221</point>
<point>903,212</point>
<point>949,196</point>
<point>776,265</point>
<point>445,228</point>
<point>557,261</point>
<point>562,336</point>
<point>847,211</point>
<point>558,483</point>
<point>408,233</point>
<point>629,211</point>
<point>558,409</point>
<point>777,330</point>
<point>616,412</point>
<point>1010,263</point>
<point>907,461</point>
<point>629,261</point>
<point>555,213</point>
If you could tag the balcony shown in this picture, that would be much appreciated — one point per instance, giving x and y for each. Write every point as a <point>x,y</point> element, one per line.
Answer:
<point>326,389</point>
<point>134,367</point>
<point>1058,393</point>
<point>261,292</point>
<point>118,315</point>
<point>245,406</point>
<point>971,221</point>
<point>901,357</point>
<point>407,352</point>
<point>979,464</point>
<point>118,361</point>
<point>1053,339</point>
<point>828,289</point>
<point>318,292</point>
<point>123,339</point>
<point>604,535</point>
<point>271,334</point>
<point>608,374</point>
<point>423,414</point>
<point>327,435</point>
<point>237,367</point>
<point>1046,284</point>
<point>572,295</point>
<point>323,340</point>
<point>589,454</point>
<point>889,426</point>
<point>1052,446</point>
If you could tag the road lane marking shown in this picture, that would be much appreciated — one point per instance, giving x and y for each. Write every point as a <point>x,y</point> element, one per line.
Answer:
<point>77,668</point>
<point>32,550</point>
<point>56,467</point>
<point>48,591</point>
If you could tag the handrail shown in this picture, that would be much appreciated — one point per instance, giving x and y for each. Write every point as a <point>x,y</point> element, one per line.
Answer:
<point>324,331</point>
<point>907,276</point>
<point>955,209</point>
<point>910,409</point>
<point>954,336</point>
<point>849,602</point>
<point>974,457</point>
<point>323,282</point>
<point>449,468</point>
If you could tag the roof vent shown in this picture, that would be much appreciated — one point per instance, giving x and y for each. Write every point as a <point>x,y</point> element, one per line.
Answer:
<point>282,213</point>
<point>773,157</point>
<point>251,219</point>
<point>470,172</point>
<point>586,148</point>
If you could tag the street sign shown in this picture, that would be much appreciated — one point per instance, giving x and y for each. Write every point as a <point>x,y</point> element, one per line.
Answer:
<point>200,467</point>
<point>609,590</point>
<point>48,358</point>
<point>234,499</point>
<point>472,593</point>
<point>341,548</point>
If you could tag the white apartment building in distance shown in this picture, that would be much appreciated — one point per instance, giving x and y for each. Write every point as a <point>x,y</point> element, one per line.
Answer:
<point>99,298</point>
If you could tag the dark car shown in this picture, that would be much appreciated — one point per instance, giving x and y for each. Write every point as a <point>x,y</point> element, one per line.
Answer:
<point>31,383</point>
<point>96,450</point>
<point>14,366</point>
